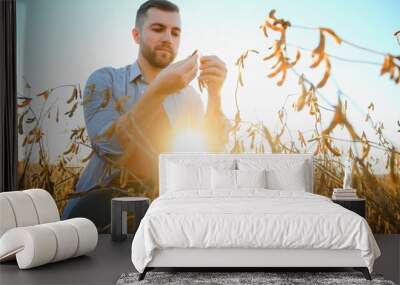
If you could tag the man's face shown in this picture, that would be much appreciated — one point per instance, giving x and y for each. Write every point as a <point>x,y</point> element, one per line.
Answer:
<point>159,37</point>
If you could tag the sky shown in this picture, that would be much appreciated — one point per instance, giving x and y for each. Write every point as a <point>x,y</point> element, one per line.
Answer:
<point>63,42</point>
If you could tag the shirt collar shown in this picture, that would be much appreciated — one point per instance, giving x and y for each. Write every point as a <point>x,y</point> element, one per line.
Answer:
<point>135,72</point>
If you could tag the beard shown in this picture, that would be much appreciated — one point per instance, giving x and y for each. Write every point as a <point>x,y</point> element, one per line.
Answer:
<point>158,58</point>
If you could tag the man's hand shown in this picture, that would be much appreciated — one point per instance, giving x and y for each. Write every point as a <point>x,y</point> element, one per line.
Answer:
<point>212,73</point>
<point>175,77</point>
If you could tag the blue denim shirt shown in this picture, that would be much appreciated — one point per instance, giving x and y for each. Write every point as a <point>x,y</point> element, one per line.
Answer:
<point>184,106</point>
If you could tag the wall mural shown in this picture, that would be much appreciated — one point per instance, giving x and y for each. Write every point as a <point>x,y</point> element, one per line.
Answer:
<point>328,131</point>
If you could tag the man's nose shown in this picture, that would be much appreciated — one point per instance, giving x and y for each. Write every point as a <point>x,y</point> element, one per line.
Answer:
<point>167,37</point>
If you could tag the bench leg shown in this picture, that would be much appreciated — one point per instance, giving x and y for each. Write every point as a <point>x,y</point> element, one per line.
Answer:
<point>364,271</point>
<point>143,274</point>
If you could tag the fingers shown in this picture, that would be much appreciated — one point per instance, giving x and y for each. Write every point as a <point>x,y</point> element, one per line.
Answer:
<point>211,60</point>
<point>185,64</point>
<point>190,63</point>
<point>211,78</point>
<point>212,65</point>
<point>213,71</point>
<point>191,74</point>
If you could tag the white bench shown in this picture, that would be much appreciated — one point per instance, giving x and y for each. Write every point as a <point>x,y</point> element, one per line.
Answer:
<point>31,231</point>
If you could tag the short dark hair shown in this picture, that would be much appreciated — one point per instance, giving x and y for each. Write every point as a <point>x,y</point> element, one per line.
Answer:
<point>163,5</point>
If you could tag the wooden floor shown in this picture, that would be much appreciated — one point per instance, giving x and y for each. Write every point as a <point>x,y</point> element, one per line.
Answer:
<point>111,259</point>
<point>102,266</point>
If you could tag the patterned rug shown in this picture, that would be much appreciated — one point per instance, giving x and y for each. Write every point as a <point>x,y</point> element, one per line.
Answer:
<point>243,278</point>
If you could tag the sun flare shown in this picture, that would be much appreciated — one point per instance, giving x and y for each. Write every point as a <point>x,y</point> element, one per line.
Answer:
<point>189,140</point>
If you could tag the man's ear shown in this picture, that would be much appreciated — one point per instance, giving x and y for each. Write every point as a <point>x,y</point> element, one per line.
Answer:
<point>136,35</point>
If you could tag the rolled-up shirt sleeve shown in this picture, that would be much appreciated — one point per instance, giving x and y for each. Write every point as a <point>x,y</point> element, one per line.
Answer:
<point>100,113</point>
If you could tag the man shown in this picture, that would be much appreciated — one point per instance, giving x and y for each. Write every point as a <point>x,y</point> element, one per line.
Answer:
<point>133,113</point>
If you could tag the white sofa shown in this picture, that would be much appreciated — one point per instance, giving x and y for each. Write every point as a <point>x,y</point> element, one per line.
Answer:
<point>31,231</point>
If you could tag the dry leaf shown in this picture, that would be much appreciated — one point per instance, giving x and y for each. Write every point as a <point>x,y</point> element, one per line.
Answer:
<point>88,157</point>
<point>74,96</point>
<point>44,94</point>
<point>333,34</point>
<point>240,79</point>
<point>326,74</point>
<point>301,139</point>
<point>21,122</point>
<point>71,149</point>
<point>71,112</point>
<point>119,105</point>
<point>25,102</point>
<point>107,95</point>
<point>301,100</point>
<point>318,53</point>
